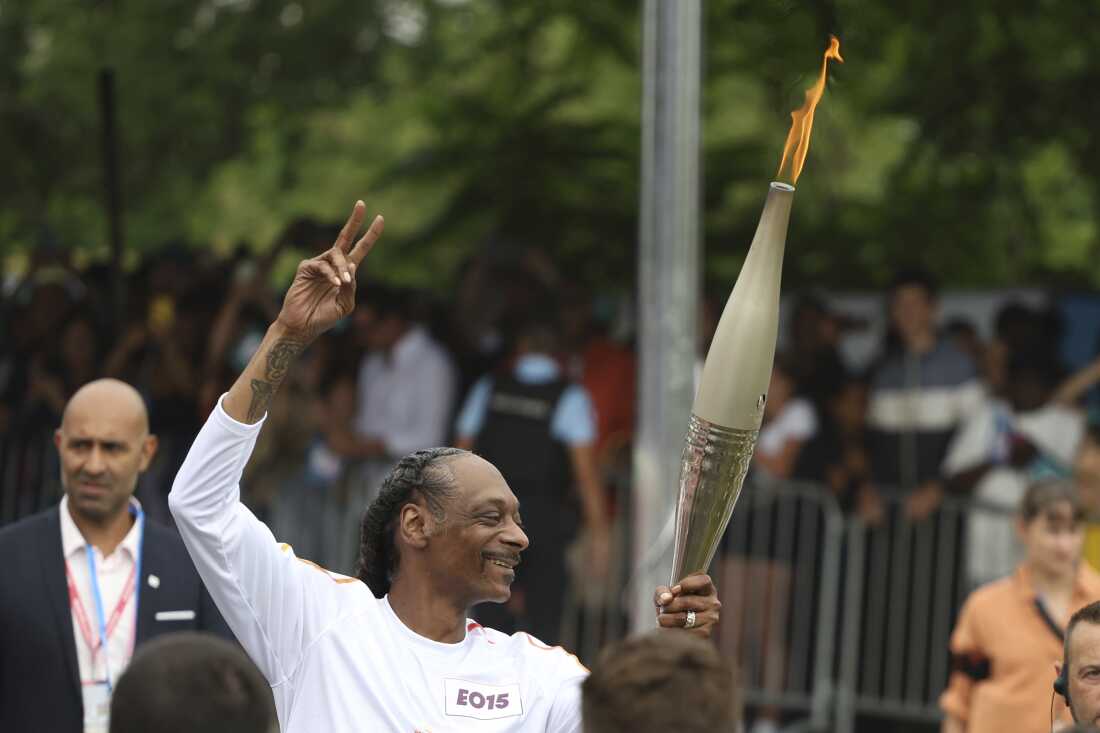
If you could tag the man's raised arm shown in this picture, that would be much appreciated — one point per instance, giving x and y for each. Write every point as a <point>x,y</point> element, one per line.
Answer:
<point>322,293</point>
<point>274,604</point>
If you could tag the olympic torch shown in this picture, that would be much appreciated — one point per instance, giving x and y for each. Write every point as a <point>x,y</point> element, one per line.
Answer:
<point>729,403</point>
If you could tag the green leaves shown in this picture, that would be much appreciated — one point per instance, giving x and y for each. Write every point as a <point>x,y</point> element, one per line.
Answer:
<point>957,135</point>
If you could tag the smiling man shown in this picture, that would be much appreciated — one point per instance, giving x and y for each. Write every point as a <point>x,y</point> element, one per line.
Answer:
<point>396,651</point>
<point>89,580</point>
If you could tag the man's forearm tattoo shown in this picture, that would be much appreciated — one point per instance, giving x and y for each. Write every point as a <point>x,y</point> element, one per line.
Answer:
<point>261,396</point>
<point>279,359</point>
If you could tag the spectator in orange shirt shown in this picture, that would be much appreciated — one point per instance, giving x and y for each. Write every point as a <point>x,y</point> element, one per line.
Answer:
<point>1009,636</point>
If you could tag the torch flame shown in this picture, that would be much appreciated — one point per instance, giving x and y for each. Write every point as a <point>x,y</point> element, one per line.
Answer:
<point>802,120</point>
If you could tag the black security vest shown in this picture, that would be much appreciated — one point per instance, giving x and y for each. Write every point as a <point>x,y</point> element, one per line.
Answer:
<point>516,437</point>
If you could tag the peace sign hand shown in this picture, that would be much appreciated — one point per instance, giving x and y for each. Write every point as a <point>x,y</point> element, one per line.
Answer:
<point>323,290</point>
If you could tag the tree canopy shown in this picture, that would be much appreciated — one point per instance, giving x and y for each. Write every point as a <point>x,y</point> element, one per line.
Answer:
<point>957,135</point>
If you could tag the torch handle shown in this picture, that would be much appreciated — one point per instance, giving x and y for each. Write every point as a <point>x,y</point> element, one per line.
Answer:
<point>712,471</point>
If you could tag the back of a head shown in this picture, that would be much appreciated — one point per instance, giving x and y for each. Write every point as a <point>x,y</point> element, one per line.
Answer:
<point>1018,326</point>
<point>916,278</point>
<point>386,301</point>
<point>188,682</point>
<point>539,336</point>
<point>659,682</point>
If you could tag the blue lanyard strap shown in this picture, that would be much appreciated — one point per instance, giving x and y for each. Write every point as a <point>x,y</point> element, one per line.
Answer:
<point>139,517</point>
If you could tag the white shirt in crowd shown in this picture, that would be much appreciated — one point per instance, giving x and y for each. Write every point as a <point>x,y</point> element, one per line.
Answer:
<point>993,550</point>
<point>796,421</point>
<point>406,395</point>
<point>337,658</point>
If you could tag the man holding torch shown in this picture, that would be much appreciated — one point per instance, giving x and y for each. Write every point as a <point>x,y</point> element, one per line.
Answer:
<point>395,651</point>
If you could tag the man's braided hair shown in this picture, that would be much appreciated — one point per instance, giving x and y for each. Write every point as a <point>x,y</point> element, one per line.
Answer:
<point>417,475</point>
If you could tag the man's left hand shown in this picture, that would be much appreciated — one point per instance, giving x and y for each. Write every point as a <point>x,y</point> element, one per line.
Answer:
<point>694,593</point>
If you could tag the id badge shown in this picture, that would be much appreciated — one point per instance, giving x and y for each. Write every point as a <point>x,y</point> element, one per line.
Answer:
<point>97,707</point>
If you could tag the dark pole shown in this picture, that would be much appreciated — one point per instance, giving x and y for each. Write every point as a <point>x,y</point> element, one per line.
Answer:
<point>112,187</point>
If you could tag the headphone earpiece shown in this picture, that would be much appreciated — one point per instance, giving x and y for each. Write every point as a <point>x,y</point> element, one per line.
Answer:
<point>1061,685</point>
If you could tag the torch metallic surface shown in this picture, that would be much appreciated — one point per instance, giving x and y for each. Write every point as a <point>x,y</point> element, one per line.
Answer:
<point>729,404</point>
<point>712,471</point>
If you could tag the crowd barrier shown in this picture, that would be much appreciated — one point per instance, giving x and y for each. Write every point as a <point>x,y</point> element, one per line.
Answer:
<point>905,582</point>
<point>829,620</point>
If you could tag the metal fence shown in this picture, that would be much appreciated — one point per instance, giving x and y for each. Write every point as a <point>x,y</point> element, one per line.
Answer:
<point>829,620</point>
<point>779,574</point>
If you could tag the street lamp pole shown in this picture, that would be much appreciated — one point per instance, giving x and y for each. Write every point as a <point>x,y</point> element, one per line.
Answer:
<point>668,283</point>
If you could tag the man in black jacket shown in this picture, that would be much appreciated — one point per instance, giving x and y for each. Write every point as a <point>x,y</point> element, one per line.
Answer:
<point>87,581</point>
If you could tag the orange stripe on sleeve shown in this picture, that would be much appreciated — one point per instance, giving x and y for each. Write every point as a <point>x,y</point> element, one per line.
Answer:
<point>539,645</point>
<point>342,579</point>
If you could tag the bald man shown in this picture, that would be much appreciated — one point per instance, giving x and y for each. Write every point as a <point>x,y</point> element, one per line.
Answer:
<point>86,581</point>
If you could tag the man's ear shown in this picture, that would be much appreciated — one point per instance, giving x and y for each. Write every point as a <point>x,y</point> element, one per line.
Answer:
<point>1057,669</point>
<point>148,450</point>
<point>413,525</point>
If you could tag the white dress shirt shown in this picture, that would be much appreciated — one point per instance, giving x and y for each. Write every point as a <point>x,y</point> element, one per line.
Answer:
<point>405,395</point>
<point>113,571</point>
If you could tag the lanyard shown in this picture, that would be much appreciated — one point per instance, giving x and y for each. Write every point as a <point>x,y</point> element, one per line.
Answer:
<point>106,627</point>
<point>93,644</point>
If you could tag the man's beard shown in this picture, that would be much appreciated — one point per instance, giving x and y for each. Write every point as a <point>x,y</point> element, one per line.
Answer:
<point>97,510</point>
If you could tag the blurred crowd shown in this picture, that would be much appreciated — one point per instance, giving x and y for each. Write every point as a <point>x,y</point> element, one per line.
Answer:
<point>389,380</point>
<point>939,412</point>
<point>523,365</point>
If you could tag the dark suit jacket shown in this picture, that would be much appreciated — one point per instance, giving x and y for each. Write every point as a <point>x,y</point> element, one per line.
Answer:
<point>39,676</point>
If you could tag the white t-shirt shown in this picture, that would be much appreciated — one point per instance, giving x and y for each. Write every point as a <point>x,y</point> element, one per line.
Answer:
<point>337,658</point>
<point>796,421</point>
<point>993,550</point>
